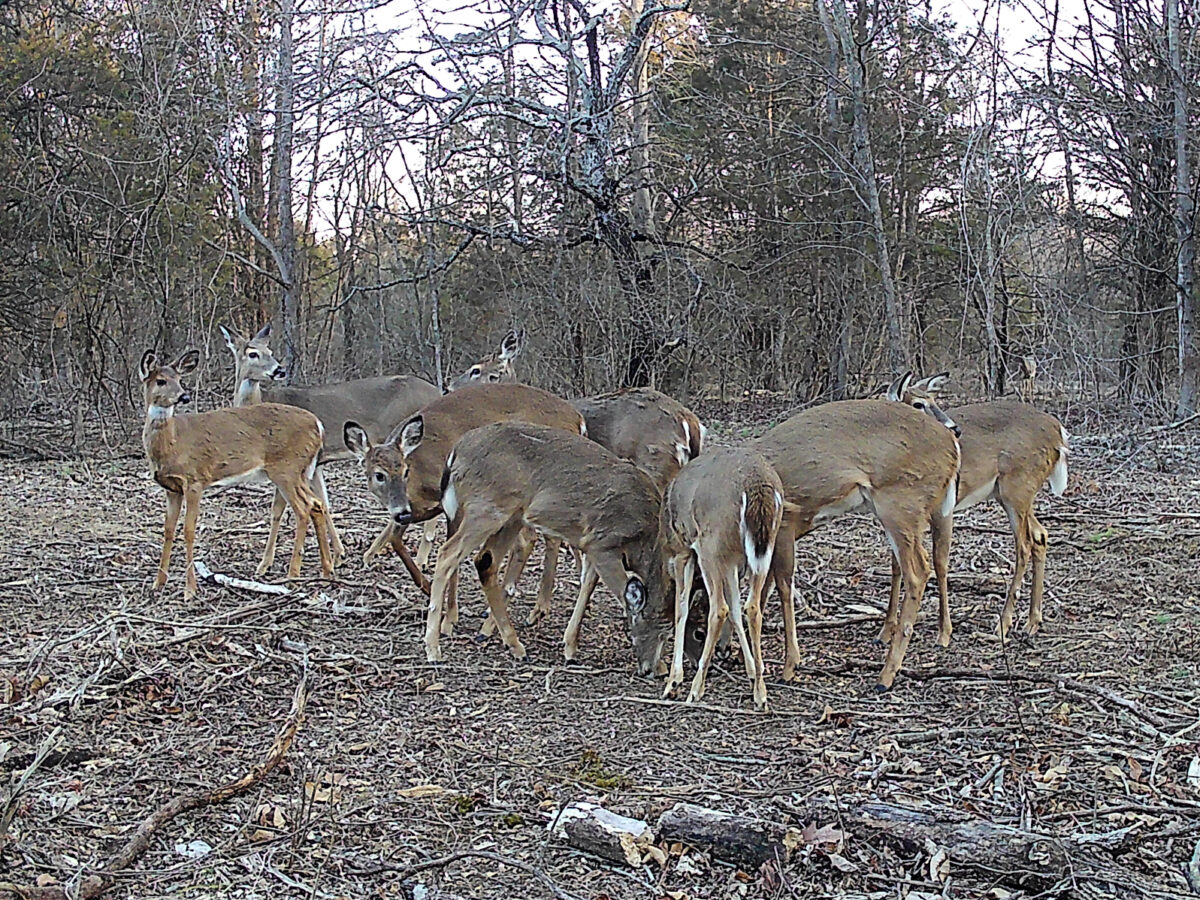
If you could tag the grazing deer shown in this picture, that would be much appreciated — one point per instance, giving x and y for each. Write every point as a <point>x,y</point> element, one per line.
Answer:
<point>376,404</point>
<point>404,472</point>
<point>862,455</point>
<point>190,453</point>
<point>722,511</point>
<point>494,368</point>
<point>503,477</point>
<point>1009,450</point>
<point>656,433</point>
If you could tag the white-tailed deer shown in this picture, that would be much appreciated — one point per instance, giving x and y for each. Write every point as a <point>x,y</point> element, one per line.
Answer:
<point>376,404</point>
<point>404,472</point>
<point>723,512</point>
<point>1009,450</point>
<point>862,455</point>
<point>503,477</point>
<point>495,368</point>
<point>656,433</point>
<point>190,453</point>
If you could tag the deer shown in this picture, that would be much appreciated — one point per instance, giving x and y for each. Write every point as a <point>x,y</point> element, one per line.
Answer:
<point>722,512</point>
<point>188,454</point>
<point>1009,450</point>
<point>404,471</point>
<point>872,456</point>
<point>376,404</point>
<point>495,368</point>
<point>655,432</point>
<point>503,477</point>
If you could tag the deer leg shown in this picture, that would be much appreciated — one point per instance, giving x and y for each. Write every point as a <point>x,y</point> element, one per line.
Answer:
<point>1039,541</point>
<point>783,568</point>
<point>174,504</point>
<point>754,620</point>
<point>587,585</point>
<point>488,565</point>
<point>546,584</point>
<point>891,620</point>
<point>321,517</point>
<point>268,559</point>
<point>425,547</point>
<point>914,564</point>
<point>518,556</point>
<point>942,529</point>
<point>418,577</point>
<point>717,612</point>
<point>1020,531</point>
<point>301,502</point>
<point>685,569</point>
<point>457,547</point>
<point>190,515</point>
<point>376,548</point>
<point>318,486</point>
<point>733,596</point>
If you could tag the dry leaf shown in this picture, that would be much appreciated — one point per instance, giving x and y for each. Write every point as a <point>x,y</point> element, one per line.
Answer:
<point>327,788</point>
<point>423,791</point>
<point>826,834</point>
<point>842,864</point>
<point>655,853</point>
<point>1135,768</point>
<point>44,880</point>
<point>1062,714</point>
<point>630,848</point>
<point>939,866</point>
<point>270,816</point>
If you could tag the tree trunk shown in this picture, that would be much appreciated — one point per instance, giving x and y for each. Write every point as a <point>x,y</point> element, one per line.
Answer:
<point>286,241</point>
<point>1185,295</point>
<point>642,208</point>
<point>255,190</point>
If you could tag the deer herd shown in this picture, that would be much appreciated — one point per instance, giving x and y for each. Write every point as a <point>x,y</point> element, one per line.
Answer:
<point>624,479</point>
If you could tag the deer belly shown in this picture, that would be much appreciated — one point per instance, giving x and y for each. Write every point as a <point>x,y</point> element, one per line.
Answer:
<point>855,500</point>
<point>253,476</point>
<point>978,495</point>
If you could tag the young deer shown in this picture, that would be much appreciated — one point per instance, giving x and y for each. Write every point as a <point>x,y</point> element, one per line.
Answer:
<point>1009,450</point>
<point>190,453</point>
<point>656,433</point>
<point>862,455</point>
<point>376,404</point>
<point>404,472</point>
<point>723,510</point>
<point>494,368</point>
<point>503,477</point>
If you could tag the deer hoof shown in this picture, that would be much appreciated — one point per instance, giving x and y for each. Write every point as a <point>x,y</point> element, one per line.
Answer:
<point>882,688</point>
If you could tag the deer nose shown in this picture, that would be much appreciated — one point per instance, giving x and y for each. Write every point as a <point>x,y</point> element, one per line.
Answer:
<point>957,429</point>
<point>403,517</point>
<point>279,374</point>
<point>185,398</point>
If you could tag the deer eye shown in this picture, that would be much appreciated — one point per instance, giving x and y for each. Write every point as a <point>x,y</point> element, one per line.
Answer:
<point>380,478</point>
<point>161,382</point>
<point>252,355</point>
<point>474,372</point>
<point>493,377</point>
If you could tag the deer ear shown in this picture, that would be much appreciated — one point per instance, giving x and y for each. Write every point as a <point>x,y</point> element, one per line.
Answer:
<point>263,333</point>
<point>148,363</point>
<point>188,361</point>
<point>512,344</point>
<point>935,383</point>
<point>635,595</point>
<point>411,434</point>
<point>357,441</point>
<point>896,389</point>
<point>231,340</point>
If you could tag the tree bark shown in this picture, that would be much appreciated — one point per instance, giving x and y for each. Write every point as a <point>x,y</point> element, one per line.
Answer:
<point>1185,295</point>
<point>286,240</point>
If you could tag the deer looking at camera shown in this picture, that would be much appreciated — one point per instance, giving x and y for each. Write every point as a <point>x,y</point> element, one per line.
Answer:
<point>722,512</point>
<point>495,368</point>
<point>503,477</point>
<point>404,472</point>
<point>1009,450</point>
<point>188,454</point>
<point>378,405</point>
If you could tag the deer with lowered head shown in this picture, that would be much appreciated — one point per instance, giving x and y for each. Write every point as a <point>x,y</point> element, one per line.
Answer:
<point>1009,450</point>
<point>377,404</point>
<point>722,512</point>
<point>404,473</point>
<point>188,454</point>
<point>871,456</point>
<point>503,477</point>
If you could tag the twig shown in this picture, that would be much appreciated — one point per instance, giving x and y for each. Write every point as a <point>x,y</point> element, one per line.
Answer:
<point>93,886</point>
<point>443,861</point>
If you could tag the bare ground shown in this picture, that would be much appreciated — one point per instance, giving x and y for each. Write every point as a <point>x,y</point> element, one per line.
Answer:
<point>1089,728</point>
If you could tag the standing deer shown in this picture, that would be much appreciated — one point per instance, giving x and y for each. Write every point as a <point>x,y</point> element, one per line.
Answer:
<point>376,404</point>
<point>1009,450</point>
<point>503,477</point>
<point>494,368</point>
<point>404,472</point>
<point>722,511</point>
<point>862,455</point>
<point>190,453</point>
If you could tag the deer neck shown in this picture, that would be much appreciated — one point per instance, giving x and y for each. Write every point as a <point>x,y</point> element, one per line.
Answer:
<point>158,433</point>
<point>248,393</point>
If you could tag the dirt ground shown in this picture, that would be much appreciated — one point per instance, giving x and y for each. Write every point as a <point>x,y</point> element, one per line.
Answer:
<point>1090,729</point>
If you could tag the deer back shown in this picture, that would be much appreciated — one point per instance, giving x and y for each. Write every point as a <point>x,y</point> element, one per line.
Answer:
<point>822,455</point>
<point>1005,439</point>
<point>653,431</point>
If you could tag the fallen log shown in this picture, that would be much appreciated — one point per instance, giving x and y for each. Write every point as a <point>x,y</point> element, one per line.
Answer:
<point>737,839</point>
<point>595,830</point>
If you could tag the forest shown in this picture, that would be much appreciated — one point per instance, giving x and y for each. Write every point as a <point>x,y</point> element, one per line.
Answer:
<point>732,215</point>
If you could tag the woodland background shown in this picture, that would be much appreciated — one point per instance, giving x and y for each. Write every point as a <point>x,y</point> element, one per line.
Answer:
<point>801,197</point>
